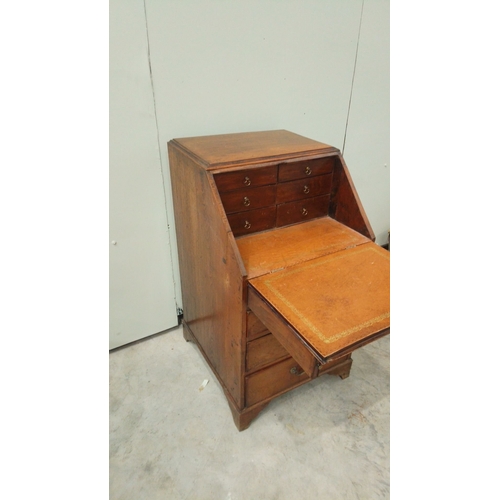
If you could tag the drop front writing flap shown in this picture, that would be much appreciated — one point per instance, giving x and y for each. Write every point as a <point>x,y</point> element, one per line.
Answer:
<point>327,306</point>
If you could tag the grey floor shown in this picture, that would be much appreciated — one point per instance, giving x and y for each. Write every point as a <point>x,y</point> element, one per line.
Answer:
<point>328,439</point>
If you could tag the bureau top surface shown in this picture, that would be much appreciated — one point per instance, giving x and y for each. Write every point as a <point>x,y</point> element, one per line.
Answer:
<point>215,151</point>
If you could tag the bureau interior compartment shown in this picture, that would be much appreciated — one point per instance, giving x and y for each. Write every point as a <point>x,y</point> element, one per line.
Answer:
<point>298,191</point>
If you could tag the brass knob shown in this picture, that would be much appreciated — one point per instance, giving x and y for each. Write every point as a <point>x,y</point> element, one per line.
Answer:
<point>296,370</point>
<point>308,170</point>
<point>304,211</point>
<point>247,181</point>
<point>246,201</point>
<point>247,225</point>
<point>306,189</point>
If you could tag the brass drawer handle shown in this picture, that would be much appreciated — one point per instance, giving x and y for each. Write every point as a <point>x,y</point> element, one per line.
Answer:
<point>247,181</point>
<point>296,370</point>
<point>246,201</point>
<point>306,189</point>
<point>304,211</point>
<point>308,170</point>
<point>247,225</point>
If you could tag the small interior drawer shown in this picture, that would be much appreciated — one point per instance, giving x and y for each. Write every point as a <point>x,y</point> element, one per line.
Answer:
<point>273,380</point>
<point>247,178</point>
<point>303,169</point>
<point>304,188</point>
<point>248,199</point>
<point>252,221</point>
<point>263,352</point>
<point>298,211</point>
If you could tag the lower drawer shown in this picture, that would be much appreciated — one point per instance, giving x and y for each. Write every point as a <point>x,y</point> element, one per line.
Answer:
<point>273,380</point>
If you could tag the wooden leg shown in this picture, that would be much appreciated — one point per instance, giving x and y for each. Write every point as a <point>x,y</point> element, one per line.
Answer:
<point>243,419</point>
<point>342,370</point>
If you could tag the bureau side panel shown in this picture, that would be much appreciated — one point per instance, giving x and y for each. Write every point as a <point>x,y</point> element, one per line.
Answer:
<point>211,279</point>
<point>345,205</point>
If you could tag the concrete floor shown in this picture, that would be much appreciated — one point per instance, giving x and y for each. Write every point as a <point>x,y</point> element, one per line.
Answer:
<point>328,439</point>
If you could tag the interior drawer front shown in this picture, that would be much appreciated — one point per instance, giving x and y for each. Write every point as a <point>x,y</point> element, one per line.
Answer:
<point>246,178</point>
<point>304,188</point>
<point>302,210</point>
<point>252,221</point>
<point>263,352</point>
<point>255,327</point>
<point>307,168</point>
<point>273,380</point>
<point>248,199</point>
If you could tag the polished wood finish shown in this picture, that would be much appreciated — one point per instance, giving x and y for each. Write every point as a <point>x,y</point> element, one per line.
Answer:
<point>257,343</point>
<point>213,287</point>
<point>304,188</point>
<point>302,210</point>
<point>242,200</point>
<point>345,205</point>
<point>305,169</point>
<point>215,151</point>
<point>284,332</point>
<point>252,221</point>
<point>246,178</point>
<point>274,380</point>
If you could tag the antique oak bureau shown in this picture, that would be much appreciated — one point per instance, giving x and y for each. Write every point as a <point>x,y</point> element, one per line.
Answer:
<point>281,279</point>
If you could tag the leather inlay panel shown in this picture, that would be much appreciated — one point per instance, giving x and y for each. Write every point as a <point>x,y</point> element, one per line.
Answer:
<point>334,301</point>
<point>282,247</point>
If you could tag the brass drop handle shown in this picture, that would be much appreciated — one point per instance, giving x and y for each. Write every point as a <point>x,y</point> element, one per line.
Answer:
<point>304,211</point>
<point>306,189</point>
<point>296,370</point>
<point>247,225</point>
<point>246,201</point>
<point>308,170</point>
<point>247,181</point>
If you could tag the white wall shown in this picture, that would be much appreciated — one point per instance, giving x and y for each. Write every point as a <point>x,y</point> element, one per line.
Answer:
<point>367,142</point>
<point>142,298</point>
<point>225,66</point>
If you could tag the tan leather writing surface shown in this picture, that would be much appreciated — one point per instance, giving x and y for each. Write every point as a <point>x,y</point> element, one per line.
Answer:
<point>334,301</point>
<point>283,247</point>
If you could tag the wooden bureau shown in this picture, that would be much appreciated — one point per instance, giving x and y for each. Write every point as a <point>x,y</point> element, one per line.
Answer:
<point>281,279</point>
